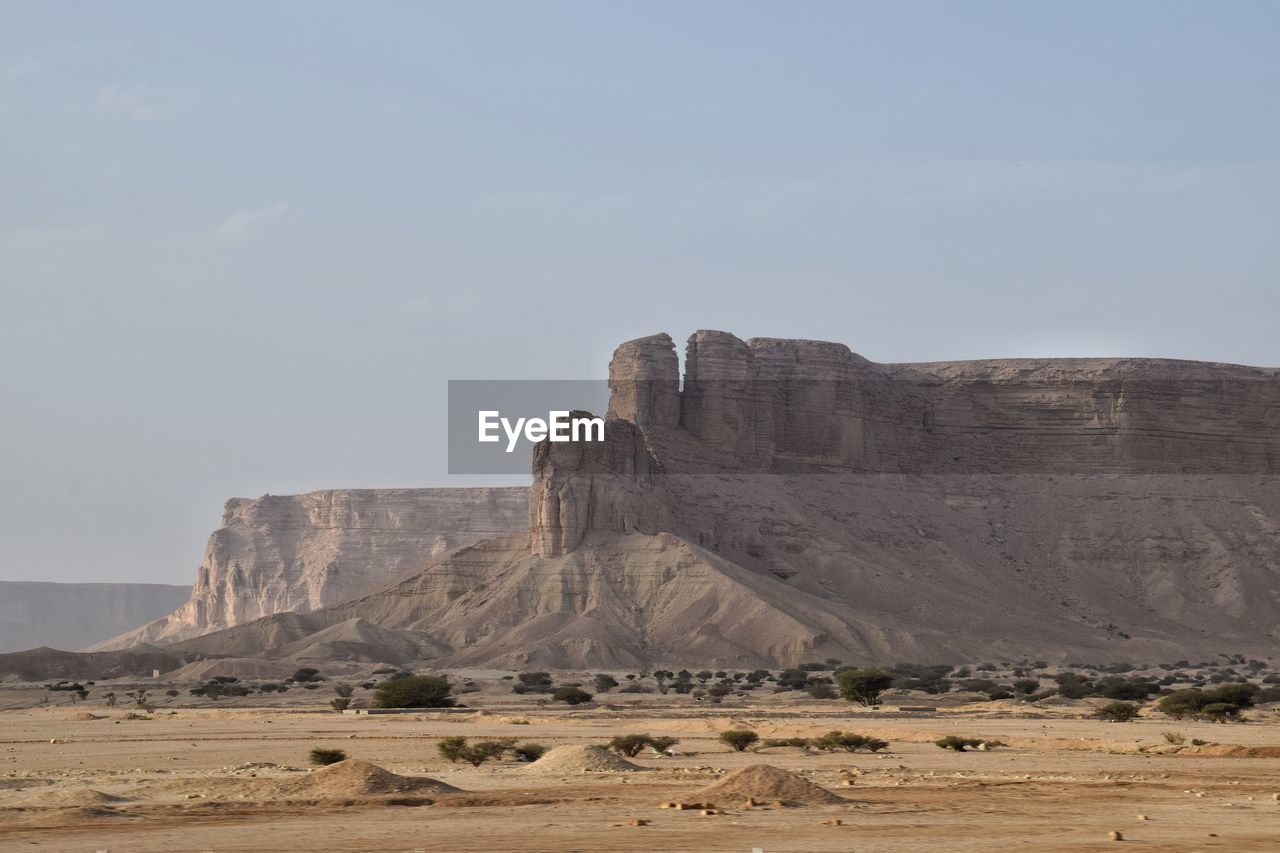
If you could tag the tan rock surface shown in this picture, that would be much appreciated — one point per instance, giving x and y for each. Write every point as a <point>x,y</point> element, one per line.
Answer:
<point>291,553</point>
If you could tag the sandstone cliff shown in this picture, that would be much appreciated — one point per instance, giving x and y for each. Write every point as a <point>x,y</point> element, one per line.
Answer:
<point>792,501</point>
<point>76,615</point>
<point>286,553</point>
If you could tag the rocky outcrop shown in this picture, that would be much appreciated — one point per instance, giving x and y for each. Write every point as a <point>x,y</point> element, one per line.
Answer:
<point>77,615</point>
<point>291,553</point>
<point>794,501</point>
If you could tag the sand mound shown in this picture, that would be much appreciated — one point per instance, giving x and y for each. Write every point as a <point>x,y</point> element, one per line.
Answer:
<point>348,778</point>
<point>581,759</point>
<point>72,797</point>
<point>767,783</point>
<point>83,717</point>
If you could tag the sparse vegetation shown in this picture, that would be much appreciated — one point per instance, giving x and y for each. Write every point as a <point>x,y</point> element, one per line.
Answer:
<point>529,751</point>
<point>961,744</point>
<point>739,739</point>
<point>604,683</point>
<point>571,695</point>
<point>340,703</point>
<point>864,686</point>
<point>325,757</point>
<point>633,745</point>
<point>848,741</point>
<point>1117,712</point>
<point>415,691</point>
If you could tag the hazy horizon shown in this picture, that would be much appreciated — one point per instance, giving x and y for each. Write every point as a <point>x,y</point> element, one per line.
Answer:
<point>243,247</point>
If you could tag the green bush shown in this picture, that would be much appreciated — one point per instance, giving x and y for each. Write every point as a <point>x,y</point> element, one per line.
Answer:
<point>821,690</point>
<point>457,749</point>
<point>864,686</point>
<point>415,691</point>
<point>344,690</point>
<point>739,739</point>
<point>324,757</point>
<point>1117,712</point>
<point>451,748</point>
<point>848,741</point>
<point>529,751</point>
<point>629,745</point>
<point>799,742</point>
<point>341,703</point>
<point>960,744</point>
<point>570,695</point>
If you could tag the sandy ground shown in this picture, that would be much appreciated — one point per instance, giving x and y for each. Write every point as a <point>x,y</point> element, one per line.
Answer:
<point>177,781</point>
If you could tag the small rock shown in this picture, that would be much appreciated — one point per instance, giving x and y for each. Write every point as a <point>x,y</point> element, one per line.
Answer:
<point>1115,836</point>
<point>637,822</point>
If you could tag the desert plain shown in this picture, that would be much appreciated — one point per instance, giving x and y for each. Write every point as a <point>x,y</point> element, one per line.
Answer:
<point>233,774</point>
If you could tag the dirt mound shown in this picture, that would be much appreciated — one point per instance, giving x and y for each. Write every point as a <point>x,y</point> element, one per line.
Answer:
<point>767,783</point>
<point>581,759</point>
<point>72,798</point>
<point>350,778</point>
<point>83,717</point>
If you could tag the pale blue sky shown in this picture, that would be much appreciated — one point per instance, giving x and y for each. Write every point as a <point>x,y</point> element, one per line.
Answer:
<point>243,245</point>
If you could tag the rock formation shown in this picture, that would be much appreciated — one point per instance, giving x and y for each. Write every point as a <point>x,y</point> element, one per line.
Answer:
<point>287,553</point>
<point>77,615</point>
<point>794,501</point>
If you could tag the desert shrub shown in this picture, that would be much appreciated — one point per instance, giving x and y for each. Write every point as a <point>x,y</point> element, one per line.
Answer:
<point>716,692</point>
<point>1266,694</point>
<point>171,692</point>
<point>822,691</point>
<point>1271,679</point>
<point>414,691</point>
<point>570,695</point>
<point>340,703</point>
<point>322,756</point>
<point>798,742</point>
<point>864,686</point>
<point>978,685</point>
<point>1117,712</point>
<point>793,679</point>
<point>1126,688</point>
<point>529,751</point>
<point>960,744</point>
<point>305,674</point>
<point>604,683</point>
<point>476,754</point>
<point>629,745</point>
<point>662,743</point>
<point>848,741</point>
<point>532,682</point>
<point>1220,712</point>
<point>925,678</point>
<point>1175,738</point>
<point>633,745</point>
<point>451,748</point>
<point>634,688</point>
<point>1026,686</point>
<point>1226,702</point>
<point>739,739</point>
<point>343,690</point>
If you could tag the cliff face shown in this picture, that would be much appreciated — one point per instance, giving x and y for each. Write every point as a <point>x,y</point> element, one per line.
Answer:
<point>793,501</point>
<point>75,615</point>
<point>289,553</point>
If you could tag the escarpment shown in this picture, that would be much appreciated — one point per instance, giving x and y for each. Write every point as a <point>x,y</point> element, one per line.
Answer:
<point>787,501</point>
<point>290,553</point>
